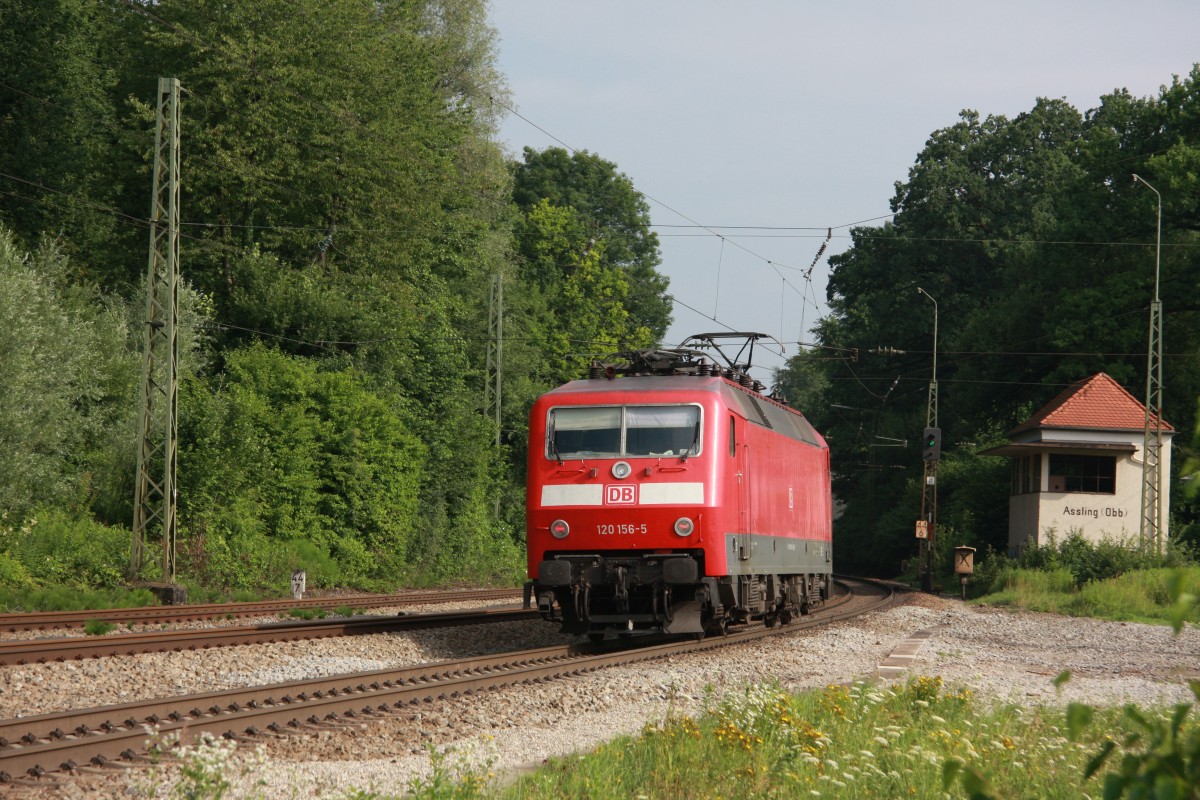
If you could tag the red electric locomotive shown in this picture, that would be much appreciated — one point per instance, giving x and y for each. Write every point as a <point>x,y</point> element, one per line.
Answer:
<point>667,492</point>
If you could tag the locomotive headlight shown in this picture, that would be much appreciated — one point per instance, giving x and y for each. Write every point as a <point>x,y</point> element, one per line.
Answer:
<point>684,527</point>
<point>621,470</point>
<point>559,529</point>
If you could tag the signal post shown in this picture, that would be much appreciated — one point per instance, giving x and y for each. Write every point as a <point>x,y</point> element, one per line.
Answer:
<point>926,529</point>
<point>931,453</point>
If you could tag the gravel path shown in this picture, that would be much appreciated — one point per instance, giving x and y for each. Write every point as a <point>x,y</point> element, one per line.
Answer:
<point>1002,655</point>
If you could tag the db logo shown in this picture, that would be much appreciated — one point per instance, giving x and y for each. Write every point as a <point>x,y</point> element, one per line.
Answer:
<point>619,494</point>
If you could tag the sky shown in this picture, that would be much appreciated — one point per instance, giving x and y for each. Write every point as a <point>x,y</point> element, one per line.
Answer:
<point>768,122</point>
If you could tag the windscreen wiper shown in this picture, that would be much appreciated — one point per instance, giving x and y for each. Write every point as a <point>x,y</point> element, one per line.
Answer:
<point>695,443</point>
<point>554,443</point>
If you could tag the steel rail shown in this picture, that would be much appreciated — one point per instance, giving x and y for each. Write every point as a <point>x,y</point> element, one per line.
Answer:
<point>47,620</point>
<point>98,735</point>
<point>75,648</point>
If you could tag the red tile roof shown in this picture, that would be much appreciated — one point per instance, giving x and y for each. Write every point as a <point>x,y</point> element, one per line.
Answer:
<point>1095,403</point>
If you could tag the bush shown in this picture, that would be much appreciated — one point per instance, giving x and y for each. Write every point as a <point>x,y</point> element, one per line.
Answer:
<point>56,547</point>
<point>283,451</point>
<point>1089,561</point>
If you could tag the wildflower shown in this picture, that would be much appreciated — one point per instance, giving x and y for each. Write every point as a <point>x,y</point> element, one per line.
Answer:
<point>936,718</point>
<point>880,740</point>
<point>867,753</point>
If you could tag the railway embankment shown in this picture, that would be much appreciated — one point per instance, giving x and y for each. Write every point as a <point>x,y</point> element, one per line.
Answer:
<point>1002,656</point>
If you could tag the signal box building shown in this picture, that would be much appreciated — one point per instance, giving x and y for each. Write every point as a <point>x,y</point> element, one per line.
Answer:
<point>1077,466</point>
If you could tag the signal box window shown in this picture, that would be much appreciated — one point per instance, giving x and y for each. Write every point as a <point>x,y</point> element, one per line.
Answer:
<point>615,431</point>
<point>1027,474</point>
<point>1095,474</point>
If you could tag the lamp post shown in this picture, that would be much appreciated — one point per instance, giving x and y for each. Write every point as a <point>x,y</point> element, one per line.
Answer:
<point>929,478</point>
<point>1152,441</point>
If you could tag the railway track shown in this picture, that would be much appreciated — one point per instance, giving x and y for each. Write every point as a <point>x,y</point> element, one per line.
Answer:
<point>48,620</point>
<point>32,748</point>
<point>75,648</point>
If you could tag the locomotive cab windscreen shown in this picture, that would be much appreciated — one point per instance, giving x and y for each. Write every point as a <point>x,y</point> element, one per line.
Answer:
<point>578,432</point>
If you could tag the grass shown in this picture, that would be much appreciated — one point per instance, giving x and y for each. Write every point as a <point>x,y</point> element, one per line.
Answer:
<point>841,742</point>
<point>97,627</point>
<point>1137,596</point>
<point>63,598</point>
<point>308,613</point>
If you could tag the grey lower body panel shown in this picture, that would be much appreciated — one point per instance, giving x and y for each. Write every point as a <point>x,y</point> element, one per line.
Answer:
<point>760,554</point>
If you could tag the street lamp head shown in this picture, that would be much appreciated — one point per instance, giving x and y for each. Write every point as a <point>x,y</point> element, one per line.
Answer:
<point>1139,179</point>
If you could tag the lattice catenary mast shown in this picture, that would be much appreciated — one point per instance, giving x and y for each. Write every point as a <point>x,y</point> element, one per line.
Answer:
<point>155,494</point>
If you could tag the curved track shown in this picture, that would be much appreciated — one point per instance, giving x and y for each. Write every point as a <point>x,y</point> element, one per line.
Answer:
<point>33,747</point>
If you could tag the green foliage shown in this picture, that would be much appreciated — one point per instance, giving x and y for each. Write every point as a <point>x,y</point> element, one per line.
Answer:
<point>910,740</point>
<point>1141,595</point>
<point>304,613</point>
<point>57,130</point>
<point>1159,753</point>
<point>58,598</point>
<point>348,205</point>
<point>67,380</point>
<point>609,210</point>
<point>1085,560</point>
<point>1162,758</point>
<point>62,549</point>
<point>1020,229</point>
<point>292,467</point>
<point>97,627</point>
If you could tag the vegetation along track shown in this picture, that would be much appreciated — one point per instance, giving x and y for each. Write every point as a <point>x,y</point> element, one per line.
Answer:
<point>47,620</point>
<point>32,748</point>
<point>40,651</point>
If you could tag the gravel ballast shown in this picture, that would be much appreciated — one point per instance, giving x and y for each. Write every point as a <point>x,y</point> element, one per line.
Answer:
<point>1003,656</point>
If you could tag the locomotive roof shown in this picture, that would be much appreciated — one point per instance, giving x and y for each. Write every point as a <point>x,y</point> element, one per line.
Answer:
<point>756,408</point>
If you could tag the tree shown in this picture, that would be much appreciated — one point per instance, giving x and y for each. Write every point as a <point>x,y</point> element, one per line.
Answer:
<point>611,210</point>
<point>1038,248</point>
<point>58,128</point>
<point>67,382</point>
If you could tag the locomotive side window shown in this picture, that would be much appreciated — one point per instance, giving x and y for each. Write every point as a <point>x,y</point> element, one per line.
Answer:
<point>615,431</point>
<point>732,436</point>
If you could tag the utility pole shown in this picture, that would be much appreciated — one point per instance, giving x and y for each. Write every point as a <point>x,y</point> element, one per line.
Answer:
<point>158,444</point>
<point>492,400</point>
<point>1152,483</point>
<point>931,455</point>
<point>495,353</point>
